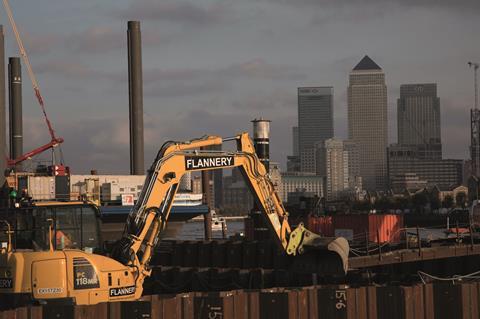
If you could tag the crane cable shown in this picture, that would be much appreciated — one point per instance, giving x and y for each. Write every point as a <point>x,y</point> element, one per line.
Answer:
<point>31,75</point>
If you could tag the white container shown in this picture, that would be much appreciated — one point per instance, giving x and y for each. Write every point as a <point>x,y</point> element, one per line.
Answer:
<point>41,187</point>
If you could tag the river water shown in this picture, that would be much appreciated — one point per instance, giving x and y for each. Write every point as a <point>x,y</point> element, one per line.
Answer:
<point>193,230</point>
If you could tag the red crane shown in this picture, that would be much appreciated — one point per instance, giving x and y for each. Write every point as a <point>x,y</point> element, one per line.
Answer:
<point>55,141</point>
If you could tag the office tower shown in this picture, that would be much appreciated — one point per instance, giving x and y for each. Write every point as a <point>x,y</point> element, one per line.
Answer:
<point>315,122</point>
<point>418,115</point>
<point>293,161</point>
<point>295,141</point>
<point>367,121</point>
<point>408,159</point>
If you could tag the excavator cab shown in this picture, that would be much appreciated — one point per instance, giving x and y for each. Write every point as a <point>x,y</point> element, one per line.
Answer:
<point>75,225</point>
<point>87,279</point>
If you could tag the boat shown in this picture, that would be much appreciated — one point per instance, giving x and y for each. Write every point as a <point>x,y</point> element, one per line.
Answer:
<point>218,223</point>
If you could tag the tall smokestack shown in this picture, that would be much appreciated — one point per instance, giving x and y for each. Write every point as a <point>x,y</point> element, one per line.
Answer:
<point>3,139</point>
<point>135,90</point>
<point>15,107</point>
<point>261,140</point>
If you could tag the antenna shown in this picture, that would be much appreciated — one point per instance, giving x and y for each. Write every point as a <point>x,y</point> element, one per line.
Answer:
<point>475,124</point>
<point>475,66</point>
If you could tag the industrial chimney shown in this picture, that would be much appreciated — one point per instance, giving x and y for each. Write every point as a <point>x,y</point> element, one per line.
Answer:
<point>261,140</point>
<point>3,139</point>
<point>15,108</point>
<point>135,91</point>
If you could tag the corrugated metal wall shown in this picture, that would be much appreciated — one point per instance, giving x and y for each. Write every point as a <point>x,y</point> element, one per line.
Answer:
<point>443,300</point>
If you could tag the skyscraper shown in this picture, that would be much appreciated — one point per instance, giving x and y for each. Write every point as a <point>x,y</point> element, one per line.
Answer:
<point>315,122</point>
<point>418,115</point>
<point>295,140</point>
<point>367,121</point>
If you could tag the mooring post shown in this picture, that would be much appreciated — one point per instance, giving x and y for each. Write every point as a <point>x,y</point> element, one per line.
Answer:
<point>470,227</point>
<point>379,246</point>
<point>406,238</point>
<point>224,230</point>
<point>419,242</point>
<point>207,225</point>
<point>366,242</point>
<point>456,230</point>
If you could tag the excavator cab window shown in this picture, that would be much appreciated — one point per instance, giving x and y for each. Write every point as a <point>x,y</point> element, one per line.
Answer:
<point>68,228</point>
<point>74,227</point>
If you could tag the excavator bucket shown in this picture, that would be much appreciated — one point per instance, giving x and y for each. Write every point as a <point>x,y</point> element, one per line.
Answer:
<point>322,255</point>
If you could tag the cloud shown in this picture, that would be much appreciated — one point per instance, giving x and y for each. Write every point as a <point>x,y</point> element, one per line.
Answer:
<point>260,101</point>
<point>464,5</point>
<point>104,39</point>
<point>194,81</point>
<point>40,43</point>
<point>66,68</point>
<point>184,12</point>
<point>102,143</point>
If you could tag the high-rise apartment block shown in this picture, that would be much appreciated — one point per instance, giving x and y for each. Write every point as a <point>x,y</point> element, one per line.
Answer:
<point>315,122</point>
<point>341,168</point>
<point>419,149</point>
<point>418,115</point>
<point>300,182</point>
<point>367,121</point>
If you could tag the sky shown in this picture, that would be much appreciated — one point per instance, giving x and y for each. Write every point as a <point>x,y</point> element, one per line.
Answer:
<point>210,67</point>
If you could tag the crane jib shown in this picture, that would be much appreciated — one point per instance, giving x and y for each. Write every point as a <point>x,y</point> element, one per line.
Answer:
<point>198,162</point>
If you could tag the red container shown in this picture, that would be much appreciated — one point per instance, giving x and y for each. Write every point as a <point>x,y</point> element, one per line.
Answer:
<point>322,225</point>
<point>355,226</point>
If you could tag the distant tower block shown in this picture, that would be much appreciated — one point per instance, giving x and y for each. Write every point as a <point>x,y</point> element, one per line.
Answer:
<point>186,182</point>
<point>475,141</point>
<point>261,140</point>
<point>475,124</point>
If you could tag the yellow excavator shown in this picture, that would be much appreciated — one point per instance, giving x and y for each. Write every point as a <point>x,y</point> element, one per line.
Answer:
<point>83,278</point>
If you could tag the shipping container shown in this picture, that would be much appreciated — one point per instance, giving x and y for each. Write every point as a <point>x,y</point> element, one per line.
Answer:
<point>322,225</point>
<point>356,227</point>
<point>38,187</point>
<point>359,226</point>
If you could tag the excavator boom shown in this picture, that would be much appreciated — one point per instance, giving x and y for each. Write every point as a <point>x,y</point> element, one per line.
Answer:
<point>89,278</point>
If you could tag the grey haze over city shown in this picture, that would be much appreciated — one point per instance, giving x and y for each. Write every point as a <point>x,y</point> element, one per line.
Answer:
<point>212,66</point>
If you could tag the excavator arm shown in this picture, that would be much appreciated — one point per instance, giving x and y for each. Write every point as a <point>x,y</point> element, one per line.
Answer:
<point>87,279</point>
<point>151,212</point>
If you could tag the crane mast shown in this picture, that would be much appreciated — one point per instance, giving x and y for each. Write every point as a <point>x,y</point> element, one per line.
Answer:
<point>475,125</point>
<point>475,66</point>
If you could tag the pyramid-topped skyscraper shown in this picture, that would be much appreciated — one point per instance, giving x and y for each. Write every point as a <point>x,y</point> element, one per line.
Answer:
<point>367,121</point>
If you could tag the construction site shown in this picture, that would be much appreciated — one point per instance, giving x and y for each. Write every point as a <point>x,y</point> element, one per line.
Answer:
<point>105,246</point>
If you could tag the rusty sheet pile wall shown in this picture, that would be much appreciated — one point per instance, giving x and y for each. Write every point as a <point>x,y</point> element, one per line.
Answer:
<point>443,300</point>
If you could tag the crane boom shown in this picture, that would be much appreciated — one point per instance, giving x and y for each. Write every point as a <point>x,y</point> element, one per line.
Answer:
<point>54,140</point>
